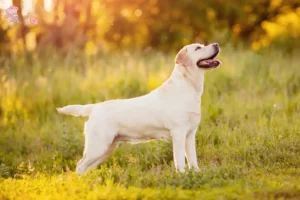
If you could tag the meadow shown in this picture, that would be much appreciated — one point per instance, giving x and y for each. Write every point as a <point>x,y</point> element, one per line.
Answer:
<point>248,142</point>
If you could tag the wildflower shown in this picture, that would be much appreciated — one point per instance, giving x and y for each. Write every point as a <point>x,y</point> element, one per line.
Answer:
<point>12,14</point>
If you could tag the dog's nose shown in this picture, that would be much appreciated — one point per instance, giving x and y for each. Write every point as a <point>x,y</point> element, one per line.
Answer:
<point>216,45</point>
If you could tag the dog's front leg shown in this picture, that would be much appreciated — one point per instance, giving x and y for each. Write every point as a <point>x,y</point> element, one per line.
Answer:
<point>178,139</point>
<point>190,150</point>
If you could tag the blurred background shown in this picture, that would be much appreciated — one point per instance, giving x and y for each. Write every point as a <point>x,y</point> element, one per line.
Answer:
<point>87,51</point>
<point>105,25</point>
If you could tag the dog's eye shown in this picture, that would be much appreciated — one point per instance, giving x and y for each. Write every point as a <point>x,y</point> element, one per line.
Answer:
<point>197,48</point>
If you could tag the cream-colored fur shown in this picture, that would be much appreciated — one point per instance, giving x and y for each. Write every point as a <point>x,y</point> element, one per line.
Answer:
<point>172,111</point>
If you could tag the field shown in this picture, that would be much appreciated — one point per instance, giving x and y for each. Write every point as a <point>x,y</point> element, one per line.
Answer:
<point>248,143</point>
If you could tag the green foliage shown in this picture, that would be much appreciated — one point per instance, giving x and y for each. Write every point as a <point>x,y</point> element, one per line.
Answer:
<point>91,186</point>
<point>102,25</point>
<point>247,144</point>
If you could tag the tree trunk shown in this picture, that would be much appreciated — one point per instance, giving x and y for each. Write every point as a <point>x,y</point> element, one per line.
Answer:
<point>22,28</point>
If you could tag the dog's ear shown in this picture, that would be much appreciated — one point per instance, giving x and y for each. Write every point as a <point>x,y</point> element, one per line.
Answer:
<point>183,58</point>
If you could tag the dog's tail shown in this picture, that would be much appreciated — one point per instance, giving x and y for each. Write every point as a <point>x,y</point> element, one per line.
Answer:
<point>77,110</point>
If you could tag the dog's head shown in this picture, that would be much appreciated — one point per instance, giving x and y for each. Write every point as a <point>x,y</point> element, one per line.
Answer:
<point>199,56</point>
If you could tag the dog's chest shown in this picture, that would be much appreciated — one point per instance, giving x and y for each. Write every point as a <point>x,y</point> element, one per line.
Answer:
<point>187,114</point>
<point>194,119</point>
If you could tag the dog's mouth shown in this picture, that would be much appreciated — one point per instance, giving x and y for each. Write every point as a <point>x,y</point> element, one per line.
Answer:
<point>209,62</point>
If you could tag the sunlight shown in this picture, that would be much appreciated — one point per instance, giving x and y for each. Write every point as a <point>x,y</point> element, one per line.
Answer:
<point>48,5</point>
<point>5,3</point>
<point>27,6</point>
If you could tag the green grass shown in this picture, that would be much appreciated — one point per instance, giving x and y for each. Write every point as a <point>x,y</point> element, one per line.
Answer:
<point>248,143</point>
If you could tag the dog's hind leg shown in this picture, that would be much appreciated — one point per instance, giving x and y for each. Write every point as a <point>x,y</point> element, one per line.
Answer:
<point>102,158</point>
<point>98,143</point>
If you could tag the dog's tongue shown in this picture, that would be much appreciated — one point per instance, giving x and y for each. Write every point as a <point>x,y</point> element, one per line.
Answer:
<point>210,62</point>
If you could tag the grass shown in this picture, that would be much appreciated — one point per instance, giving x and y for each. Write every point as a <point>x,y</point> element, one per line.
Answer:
<point>248,143</point>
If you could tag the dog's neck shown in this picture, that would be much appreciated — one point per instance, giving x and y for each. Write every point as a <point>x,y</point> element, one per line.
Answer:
<point>195,81</point>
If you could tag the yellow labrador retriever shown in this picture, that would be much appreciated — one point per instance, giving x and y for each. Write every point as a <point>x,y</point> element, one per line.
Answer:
<point>172,111</point>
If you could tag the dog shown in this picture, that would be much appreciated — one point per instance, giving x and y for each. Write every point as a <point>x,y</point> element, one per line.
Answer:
<point>171,111</point>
